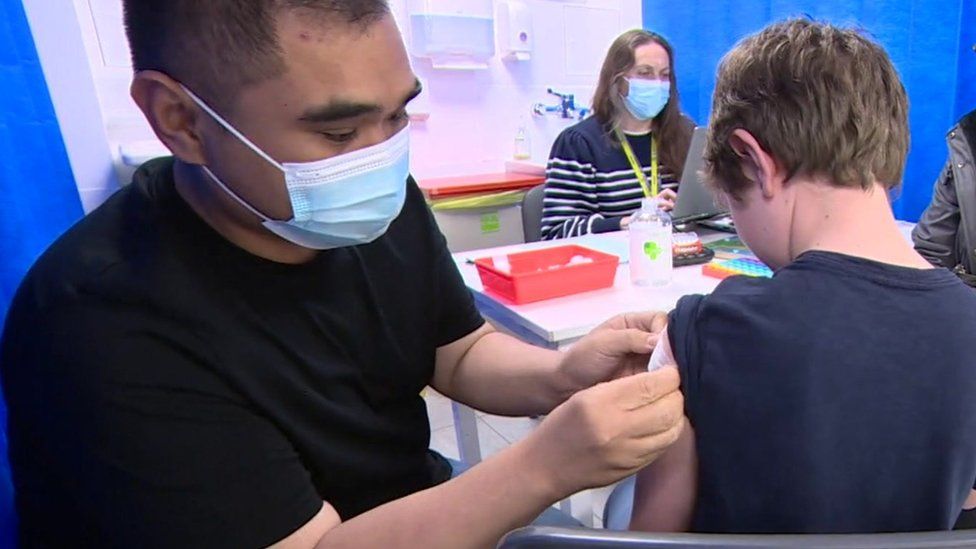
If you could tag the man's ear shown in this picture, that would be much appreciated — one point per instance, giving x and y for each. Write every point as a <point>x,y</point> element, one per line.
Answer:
<point>757,165</point>
<point>171,113</point>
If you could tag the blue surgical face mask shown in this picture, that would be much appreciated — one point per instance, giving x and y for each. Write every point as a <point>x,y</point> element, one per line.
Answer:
<point>647,98</point>
<point>345,200</point>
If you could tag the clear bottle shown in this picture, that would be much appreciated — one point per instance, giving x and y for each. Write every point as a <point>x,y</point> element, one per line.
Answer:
<point>523,147</point>
<point>650,246</point>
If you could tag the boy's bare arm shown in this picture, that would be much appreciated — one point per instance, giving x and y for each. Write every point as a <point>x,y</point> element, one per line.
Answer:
<point>664,498</point>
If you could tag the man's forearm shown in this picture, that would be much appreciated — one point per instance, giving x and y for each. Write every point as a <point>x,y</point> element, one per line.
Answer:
<point>502,375</point>
<point>473,510</point>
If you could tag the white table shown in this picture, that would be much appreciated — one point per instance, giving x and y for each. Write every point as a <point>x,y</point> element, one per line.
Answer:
<point>555,323</point>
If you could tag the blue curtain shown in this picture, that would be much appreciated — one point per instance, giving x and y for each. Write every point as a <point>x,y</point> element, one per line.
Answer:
<point>38,196</point>
<point>966,70</point>
<point>930,42</point>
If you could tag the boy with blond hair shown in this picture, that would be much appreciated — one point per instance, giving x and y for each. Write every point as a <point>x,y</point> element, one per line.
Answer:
<point>837,396</point>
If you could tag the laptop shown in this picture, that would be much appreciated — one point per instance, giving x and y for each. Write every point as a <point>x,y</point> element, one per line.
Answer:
<point>695,200</point>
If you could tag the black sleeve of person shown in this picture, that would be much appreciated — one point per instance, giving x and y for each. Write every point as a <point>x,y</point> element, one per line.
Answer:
<point>159,451</point>
<point>457,315</point>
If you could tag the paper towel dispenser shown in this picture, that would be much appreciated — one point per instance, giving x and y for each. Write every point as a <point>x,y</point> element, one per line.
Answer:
<point>453,34</point>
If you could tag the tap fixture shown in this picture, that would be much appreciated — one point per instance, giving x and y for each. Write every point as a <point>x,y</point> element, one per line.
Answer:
<point>566,107</point>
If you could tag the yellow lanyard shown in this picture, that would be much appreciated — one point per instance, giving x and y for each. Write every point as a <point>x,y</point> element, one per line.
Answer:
<point>649,191</point>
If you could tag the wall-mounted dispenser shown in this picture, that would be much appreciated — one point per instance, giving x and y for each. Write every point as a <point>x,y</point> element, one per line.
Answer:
<point>453,34</point>
<point>515,36</point>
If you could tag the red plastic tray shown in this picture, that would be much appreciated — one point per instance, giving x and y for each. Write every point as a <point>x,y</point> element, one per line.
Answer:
<point>548,273</point>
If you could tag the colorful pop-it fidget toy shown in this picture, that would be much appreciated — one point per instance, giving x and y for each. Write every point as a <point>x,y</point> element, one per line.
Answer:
<point>741,266</point>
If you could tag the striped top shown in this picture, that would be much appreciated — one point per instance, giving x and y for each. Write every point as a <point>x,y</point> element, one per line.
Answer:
<point>590,186</point>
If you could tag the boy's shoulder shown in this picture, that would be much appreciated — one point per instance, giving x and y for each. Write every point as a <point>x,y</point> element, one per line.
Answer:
<point>818,277</point>
<point>737,291</point>
<point>733,297</point>
<point>823,315</point>
<point>824,285</point>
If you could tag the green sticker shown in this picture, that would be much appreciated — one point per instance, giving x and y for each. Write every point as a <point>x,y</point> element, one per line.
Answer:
<point>652,250</point>
<point>490,223</point>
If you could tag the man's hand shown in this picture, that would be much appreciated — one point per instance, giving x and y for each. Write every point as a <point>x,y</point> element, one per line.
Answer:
<point>604,433</point>
<point>617,348</point>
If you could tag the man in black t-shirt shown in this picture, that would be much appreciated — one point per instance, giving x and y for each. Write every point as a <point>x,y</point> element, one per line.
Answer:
<point>230,351</point>
<point>837,396</point>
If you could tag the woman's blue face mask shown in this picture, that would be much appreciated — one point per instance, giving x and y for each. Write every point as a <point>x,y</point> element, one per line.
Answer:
<point>647,98</point>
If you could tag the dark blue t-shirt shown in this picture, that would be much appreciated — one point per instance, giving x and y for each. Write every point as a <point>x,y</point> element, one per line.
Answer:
<point>838,396</point>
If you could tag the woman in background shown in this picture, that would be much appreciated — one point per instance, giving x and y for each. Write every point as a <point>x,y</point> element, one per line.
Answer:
<point>598,168</point>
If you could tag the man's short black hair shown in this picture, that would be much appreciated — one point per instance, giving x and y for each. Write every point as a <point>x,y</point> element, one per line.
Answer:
<point>216,47</point>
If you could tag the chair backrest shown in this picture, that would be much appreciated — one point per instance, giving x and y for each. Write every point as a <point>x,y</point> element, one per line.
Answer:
<point>532,213</point>
<point>535,537</point>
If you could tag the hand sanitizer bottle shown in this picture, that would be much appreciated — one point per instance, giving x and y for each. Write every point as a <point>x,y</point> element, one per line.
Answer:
<point>650,246</point>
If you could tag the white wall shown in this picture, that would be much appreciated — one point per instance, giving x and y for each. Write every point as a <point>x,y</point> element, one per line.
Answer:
<point>474,114</point>
<point>60,48</point>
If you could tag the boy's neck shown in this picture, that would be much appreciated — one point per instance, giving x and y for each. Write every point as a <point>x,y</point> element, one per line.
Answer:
<point>849,221</point>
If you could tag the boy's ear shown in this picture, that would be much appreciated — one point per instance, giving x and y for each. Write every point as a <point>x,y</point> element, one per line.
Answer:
<point>757,165</point>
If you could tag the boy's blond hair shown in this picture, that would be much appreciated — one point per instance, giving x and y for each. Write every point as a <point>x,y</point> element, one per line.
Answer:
<point>821,100</point>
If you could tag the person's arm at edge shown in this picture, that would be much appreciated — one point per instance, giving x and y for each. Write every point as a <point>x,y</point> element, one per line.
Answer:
<point>935,234</point>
